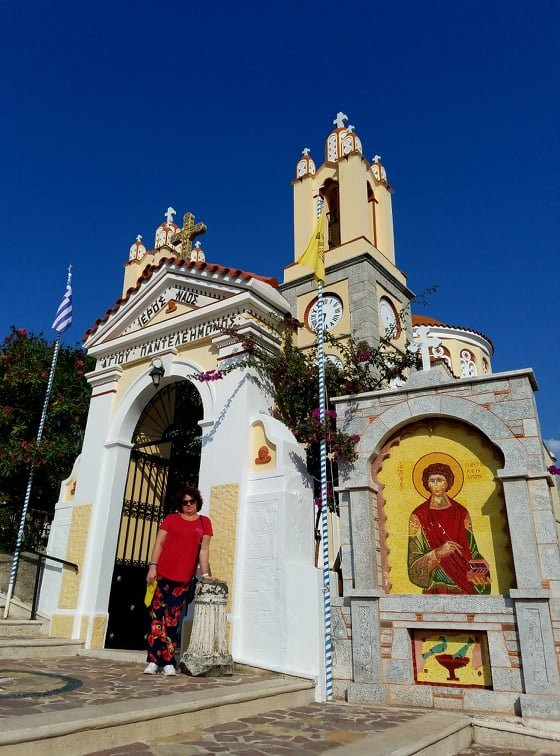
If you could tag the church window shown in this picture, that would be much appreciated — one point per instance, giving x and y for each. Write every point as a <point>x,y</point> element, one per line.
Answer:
<point>485,366</point>
<point>468,365</point>
<point>372,202</point>
<point>441,353</point>
<point>331,196</point>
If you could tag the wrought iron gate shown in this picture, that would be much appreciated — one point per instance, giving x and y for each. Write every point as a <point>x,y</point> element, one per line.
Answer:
<point>166,455</point>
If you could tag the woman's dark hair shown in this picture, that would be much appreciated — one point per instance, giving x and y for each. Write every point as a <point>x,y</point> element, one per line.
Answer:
<point>191,491</point>
<point>438,468</point>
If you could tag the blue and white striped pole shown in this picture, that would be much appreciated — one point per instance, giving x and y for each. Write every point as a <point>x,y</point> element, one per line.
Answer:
<point>324,508</point>
<point>64,312</point>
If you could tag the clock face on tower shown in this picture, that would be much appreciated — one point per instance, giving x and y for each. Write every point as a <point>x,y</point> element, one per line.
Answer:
<point>388,317</point>
<point>332,312</point>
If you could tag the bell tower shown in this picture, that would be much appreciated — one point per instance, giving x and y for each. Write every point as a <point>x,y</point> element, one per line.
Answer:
<point>363,288</point>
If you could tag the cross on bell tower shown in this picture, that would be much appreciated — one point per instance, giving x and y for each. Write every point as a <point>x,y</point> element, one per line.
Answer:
<point>186,235</point>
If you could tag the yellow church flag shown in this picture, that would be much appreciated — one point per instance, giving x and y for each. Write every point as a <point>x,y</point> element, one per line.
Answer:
<point>314,255</point>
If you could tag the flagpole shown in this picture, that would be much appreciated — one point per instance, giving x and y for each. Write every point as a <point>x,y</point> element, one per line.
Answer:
<point>19,540</point>
<point>324,508</point>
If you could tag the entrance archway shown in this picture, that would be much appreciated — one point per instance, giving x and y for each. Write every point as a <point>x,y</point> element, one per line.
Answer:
<point>165,456</point>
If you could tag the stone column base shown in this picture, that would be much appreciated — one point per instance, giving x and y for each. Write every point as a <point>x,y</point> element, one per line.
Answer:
<point>207,654</point>
<point>546,706</point>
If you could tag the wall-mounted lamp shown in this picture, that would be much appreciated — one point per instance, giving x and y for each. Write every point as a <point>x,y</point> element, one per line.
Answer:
<point>157,371</point>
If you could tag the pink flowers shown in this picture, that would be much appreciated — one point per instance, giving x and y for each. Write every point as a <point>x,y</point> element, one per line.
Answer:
<point>209,375</point>
<point>554,470</point>
<point>316,413</point>
<point>21,333</point>
<point>363,354</point>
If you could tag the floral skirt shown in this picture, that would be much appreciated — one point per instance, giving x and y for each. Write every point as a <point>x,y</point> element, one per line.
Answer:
<point>165,617</point>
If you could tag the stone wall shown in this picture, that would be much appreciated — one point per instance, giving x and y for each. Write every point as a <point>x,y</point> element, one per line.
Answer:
<point>373,629</point>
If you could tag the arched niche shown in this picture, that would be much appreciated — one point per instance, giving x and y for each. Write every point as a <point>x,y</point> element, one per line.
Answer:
<point>411,529</point>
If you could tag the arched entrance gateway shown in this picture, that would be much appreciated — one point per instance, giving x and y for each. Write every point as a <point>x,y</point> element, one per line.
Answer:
<point>165,456</point>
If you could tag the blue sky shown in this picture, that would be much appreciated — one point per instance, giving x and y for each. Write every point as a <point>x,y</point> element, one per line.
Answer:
<point>113,111</point>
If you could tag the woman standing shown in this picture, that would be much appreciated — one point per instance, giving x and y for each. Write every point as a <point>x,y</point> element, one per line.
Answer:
<point>182,542</point>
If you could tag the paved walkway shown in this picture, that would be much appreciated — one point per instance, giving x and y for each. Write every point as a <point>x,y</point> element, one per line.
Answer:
<point>304,730</point>
<point>35,686</point>
<point>52,687</point>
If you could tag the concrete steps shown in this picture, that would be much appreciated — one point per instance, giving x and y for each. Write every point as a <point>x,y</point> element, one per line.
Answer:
<point>103,726</point>
<point>24,639</point>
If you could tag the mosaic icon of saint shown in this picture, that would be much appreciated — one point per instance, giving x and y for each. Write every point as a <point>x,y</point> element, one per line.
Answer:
<point>442,553</point>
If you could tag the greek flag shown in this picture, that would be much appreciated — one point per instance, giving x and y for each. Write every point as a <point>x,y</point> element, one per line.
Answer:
<point>63,318</point>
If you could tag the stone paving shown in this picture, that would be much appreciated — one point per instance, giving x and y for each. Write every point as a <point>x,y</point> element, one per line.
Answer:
<point>33,686</point>
<point>304,730</point>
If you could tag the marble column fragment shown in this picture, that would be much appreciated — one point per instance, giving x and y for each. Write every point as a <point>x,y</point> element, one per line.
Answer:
<point>207,654</point>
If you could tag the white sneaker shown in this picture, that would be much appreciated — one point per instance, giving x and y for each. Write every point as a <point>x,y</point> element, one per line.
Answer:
<point>151,669</point>
<point>169,670</point>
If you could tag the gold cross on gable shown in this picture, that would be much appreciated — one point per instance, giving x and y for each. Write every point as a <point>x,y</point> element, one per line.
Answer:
<point>186,235</point>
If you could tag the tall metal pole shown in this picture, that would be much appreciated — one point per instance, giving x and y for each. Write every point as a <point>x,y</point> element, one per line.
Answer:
<point>324,508</point>
<point>17,550</point>
<point>19,540</point>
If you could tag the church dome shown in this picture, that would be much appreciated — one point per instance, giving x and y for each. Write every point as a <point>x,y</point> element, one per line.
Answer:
<point>305,166</point>
<point>342,141</point>
<point>137,249</point>
<point>166,231</point>
<point>466,352</point>
<point>197,253</point>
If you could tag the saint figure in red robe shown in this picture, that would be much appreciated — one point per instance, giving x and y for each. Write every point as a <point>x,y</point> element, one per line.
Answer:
<point>442,553</point>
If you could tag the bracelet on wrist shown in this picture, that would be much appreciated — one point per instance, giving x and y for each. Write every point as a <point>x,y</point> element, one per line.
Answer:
<point>152,564</point>
<point>205,574</point>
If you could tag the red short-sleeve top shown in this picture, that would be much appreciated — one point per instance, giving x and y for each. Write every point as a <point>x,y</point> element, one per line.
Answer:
<point>179,555</point>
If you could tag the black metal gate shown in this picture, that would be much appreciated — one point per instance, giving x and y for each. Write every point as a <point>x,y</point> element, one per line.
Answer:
<point>166,455</point>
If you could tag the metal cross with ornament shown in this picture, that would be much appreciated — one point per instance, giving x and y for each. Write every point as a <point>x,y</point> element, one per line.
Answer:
<point>186,235</point>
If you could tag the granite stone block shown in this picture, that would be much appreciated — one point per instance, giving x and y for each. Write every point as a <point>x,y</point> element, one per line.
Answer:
<point>545,528</point>
<point>367,693</point>
<point>479,387</point>
<point>441,702</point>
<point>396,415</point>
<point>539,493</point>
<point>456,407</point>
<point>530,428</point>
<point>446,604</point>
<point>489,424</point>
<point>455,388</point>
<point>494,618</point>
<point>365,647</point>
<point>338,626</point>
<point>540,707</point>
<point>411,695</point>
<point>424,405</point>
<point>497,649</point>
<point>554,605</point>
<point>536,643</point>
<point>516,409</point>
<point>507,679</point>
<point>521,388</point>
<point>401,645</point>
<point>522,534</point>
<point>398,672</point>
<point>550,561</point>
<point>490,701</point>
<point>512,645</point>
<point>515,456</point>
<point>340,689</point>
<point>342,659</point>
<point>487,399</point>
